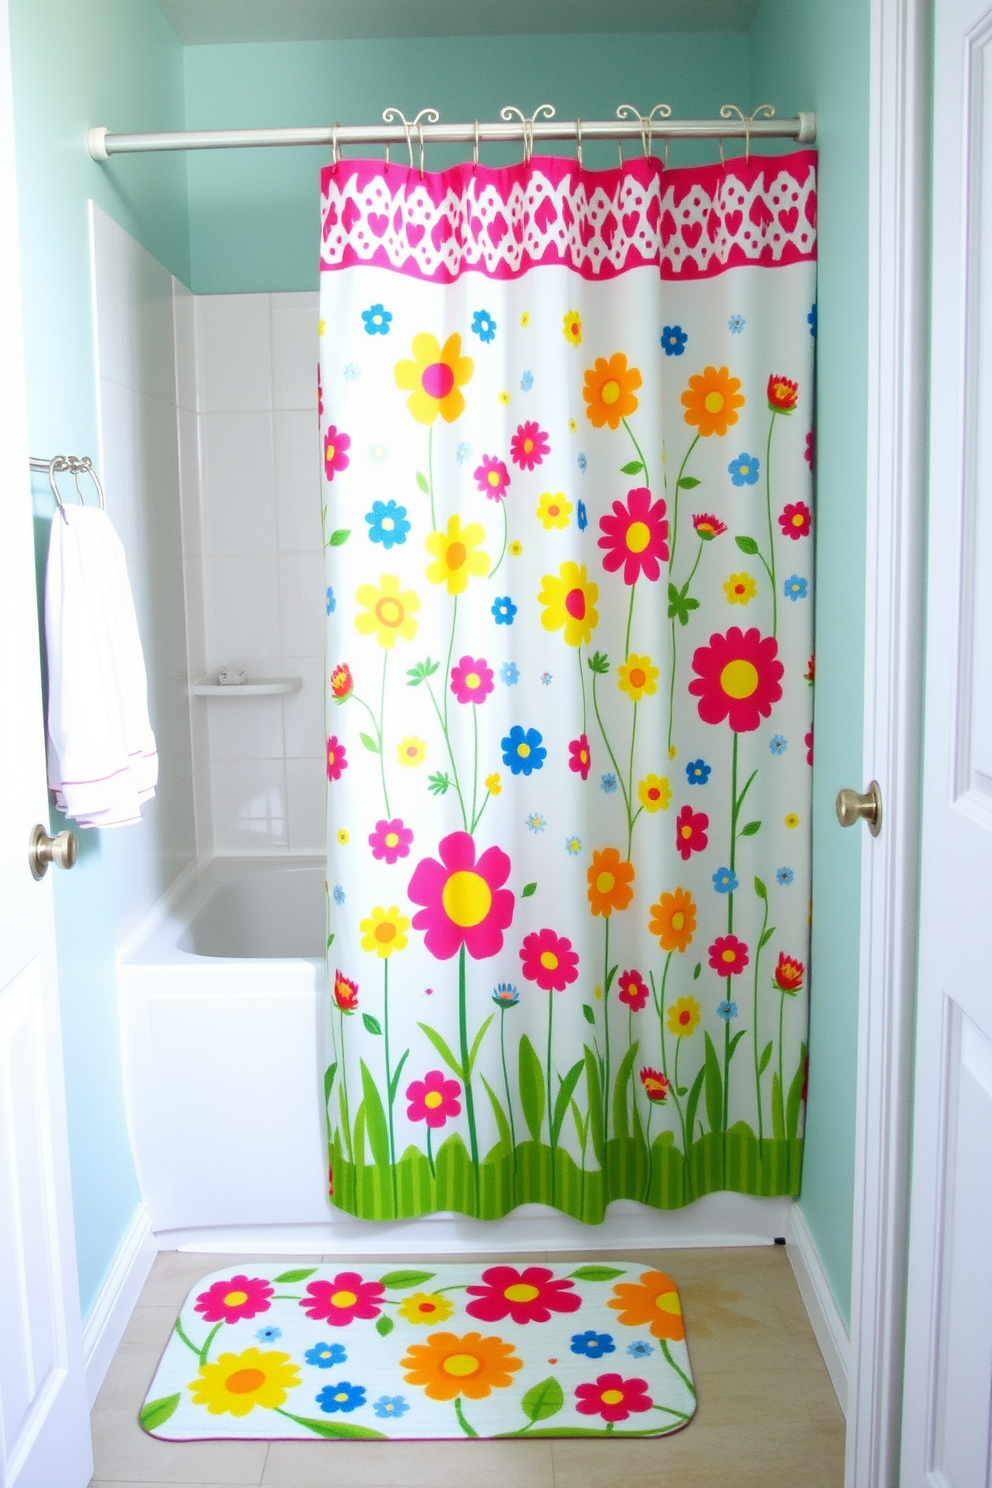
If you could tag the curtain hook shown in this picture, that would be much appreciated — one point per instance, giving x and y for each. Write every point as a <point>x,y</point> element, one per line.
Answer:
<point>432,116</point>
<point>723,161</point>
<point>387,158</point>
<point>421,130</point>
<point>390,115</point>
<point>475,148</point>
<point>335,149</point>
<point>578,141</point>
<point>56,464</point>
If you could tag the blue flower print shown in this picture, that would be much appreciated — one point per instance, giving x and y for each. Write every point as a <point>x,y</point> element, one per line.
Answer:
<point>640,1348</point>
<point>505,995</point>
<point>352,372</point>
<point>697,772</point>
<point>536,822</point>
<point>523,750</point>
<point>725,881</point>
<point>463,453</point>
<point>338,894</point>
<point>326,1355</point>
<point>785,876</point>
<point>332,603</point>
<point>509,673</point>
<point>504,610</point>
<point>582,516</point>
<point>390,1405</point>
<point>527,381</point>
<point>268,1335</point>
<point>726,1011</point>
<point>736,324</point>
<point>593,1345</point>
<point>673,339</point>
<point>483,325</point>
<point>583,465</point>
<point>377,320</point>
<point>573,846</point>
<point>744,470</point>
<point>387,524</point>
<point>377,452</point>
<point>608,783</point>
<point>811,320</point>
<point>343,1397</point>
<point>546,679</point>
<point>778,744</point>
<point>795,588</point>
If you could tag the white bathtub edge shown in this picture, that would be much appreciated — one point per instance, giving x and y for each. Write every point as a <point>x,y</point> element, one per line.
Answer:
<point>159,911</point>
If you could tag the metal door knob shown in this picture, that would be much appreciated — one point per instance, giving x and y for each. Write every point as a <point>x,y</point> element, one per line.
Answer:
<point>62,850</point>
<point>853,807</point>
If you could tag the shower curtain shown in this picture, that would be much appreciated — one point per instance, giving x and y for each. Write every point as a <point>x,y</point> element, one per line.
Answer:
<point>567,449</point>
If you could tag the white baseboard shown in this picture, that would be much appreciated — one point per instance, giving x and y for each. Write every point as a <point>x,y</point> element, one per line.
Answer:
<point>115,1301</point>
<point>824,1314</point>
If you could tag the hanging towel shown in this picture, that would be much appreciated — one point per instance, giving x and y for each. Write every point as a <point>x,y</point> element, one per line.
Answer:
<point>102,760</point>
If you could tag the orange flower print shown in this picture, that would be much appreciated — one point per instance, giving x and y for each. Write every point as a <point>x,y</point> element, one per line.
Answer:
<point>446,1365</point>
<point>610,878</point>
<point>711,401</point>
<point>673,920</point>
<point>654,1301</point>
<point>609,391</point>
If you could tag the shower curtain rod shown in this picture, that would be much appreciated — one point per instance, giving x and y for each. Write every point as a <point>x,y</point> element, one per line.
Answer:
<point>426,129</point>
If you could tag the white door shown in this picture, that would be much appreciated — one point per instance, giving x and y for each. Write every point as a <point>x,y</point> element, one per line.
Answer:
<point>948,1361</point>
<point>44,1424</point>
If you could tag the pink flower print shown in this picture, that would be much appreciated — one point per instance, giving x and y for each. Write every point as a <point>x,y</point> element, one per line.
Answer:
<point>337,758</point>
<point>632,990</point>
<point>464,900</point>
<point>580,758</point>
<point>548,960</point>
<point>492,477</point>
<point>471,680</point>
<point>636,536</point>
<point>336,447</point>
<point>529,446</point>
<point>796,520</point>
<point>320,395</point>
<point>229,1301</point>
<point>433,1099</point>
<point>690,832</point>
<point>809,454</point>
<point>527,1296</point>
<point>808,741</point>
<point>390,840</point>
<point>340,1301</point>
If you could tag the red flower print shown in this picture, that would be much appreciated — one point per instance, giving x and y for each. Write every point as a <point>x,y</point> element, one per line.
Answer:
<point>656,1085</point>
<point>433,1099</point>
<point>579,756</point>
<point>809,676</point>
<point>796,520</point>
<point>229,1301</point>
<point>636,536</point>
<point>492,477</point>
<point>320,395</point>
<point>340,1301</point>
<point>337,758</point>
<point>738,678</point>
<point>612,1397</point>
<point>471,680</point>
<point>464,900</point>
<point>690,832</point>
<point>529,446</point>
<point>728,955</point>
<point>632,989</point>
<point>548,960</point>
<point>782,394</point>
<point>708,526</point>
<point>345,992</point>
<point>528,1296</point>
<point>390,840</point>
<point>342,682</point>
<point>808,741</point>
<point>789,974</point>
<point>809,454</point>
<point>336,447</point>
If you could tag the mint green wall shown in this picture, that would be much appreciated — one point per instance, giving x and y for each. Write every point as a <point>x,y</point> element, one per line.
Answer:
<point>811,55</point>
<point>253,213</point>
<point>116,62</point>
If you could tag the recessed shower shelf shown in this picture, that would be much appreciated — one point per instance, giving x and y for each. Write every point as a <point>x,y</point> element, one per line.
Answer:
<point>260,687</point>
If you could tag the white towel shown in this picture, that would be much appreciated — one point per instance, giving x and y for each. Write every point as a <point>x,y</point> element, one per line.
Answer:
<point>102,761</point>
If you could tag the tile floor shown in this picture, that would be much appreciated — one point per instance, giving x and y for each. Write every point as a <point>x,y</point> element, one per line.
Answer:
<point>767,1415</point>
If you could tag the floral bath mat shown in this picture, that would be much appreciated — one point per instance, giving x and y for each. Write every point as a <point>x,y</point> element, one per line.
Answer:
<point>403,1353</point>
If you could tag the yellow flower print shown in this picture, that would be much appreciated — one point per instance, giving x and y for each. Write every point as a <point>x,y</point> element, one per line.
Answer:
<point>411,751</point>
<point>504,399</point>
<point>683,1017</point>
<point>792,821</point>
<point>672,751</point>
<point>236,1383</point>
<point>435,378</point>
<point>569,603</point>
<point>654,793</point>
<point>389,611</point>
<point>572,426</point>
<point>638,678</point>
<point>553,510</point>
<point>740,589</point>
<point>385,931</point>
<point>572,327</point>
<point>515,549</point>
<point>343,836</point>
<point>525,319</point>
<point>598,993</point>
<point>493,783</point>
<point>321,327</point>
<point>426,1308</point>
<point>455,562</point>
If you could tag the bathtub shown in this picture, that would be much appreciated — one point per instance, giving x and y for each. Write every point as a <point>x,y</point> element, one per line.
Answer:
<point>224,1041</point>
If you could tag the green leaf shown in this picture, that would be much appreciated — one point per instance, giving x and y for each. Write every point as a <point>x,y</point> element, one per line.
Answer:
<point>714,1087</point>
<point>595,1273</point>
<point>766,937</point>
<point>631,468</point>
<point>372,1025</point>
<point>681,1091</point>
<point>443,1050</point>
<point>609,977</point>
<point>565,1089</point>
<point>531,1077</point>
<point>157,1412</point>
<point>624,1076</point>
<point>688,483</point>
<point>594,1090</point>
<point>794,1099</point>
<point>766,1054</point>
<point>342,1430</point>
<point>384,1326</point>
<point>778,1114</point>
<point>581,1124</point>
<point>545,1399</point>
<point>329,1074</point>
<point>359,1138</point>
<point>422,482</point>
<point>733,1044</point>
<point>345,1115</point>
<point>337,539</point>
<point>760,889</point>
<point>394,1082</point>
<point>474,1052</point>
<point>695,974</point>
<point>330,941</point>
<point>691,1105</point>
<point>375,1119</point>
<point>747,545</point>
<point>402,1281</point>
<point>528,890</point>
<point>287,1278</point>
<point>369,743</point>
<point>502,1124</point>
<point>750,829</point>
<point>599,663</point>
<point>588,1014</point>
<point>438,784</point>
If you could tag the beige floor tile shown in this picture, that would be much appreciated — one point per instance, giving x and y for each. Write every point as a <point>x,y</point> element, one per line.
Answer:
<point>142,1483</point>
<point>410,1465</point>
<point>698,1457</point>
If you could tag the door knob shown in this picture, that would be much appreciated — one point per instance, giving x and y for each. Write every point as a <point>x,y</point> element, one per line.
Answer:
<point>62,850</point>
<point>853,807</point>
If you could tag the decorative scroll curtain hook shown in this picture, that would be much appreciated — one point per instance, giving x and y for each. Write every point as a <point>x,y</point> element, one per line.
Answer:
<point>394,115</point>
<point>763,111</point>
<point>578,140</point>
<point>543,111</point>
<point>475,148</point>
<point>628,111</point>
<point>432,116</point>
<point>335,148</point>
<point>661,111</point>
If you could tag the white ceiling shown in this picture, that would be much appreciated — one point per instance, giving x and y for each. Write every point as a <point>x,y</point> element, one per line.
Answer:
<point>198,22</point>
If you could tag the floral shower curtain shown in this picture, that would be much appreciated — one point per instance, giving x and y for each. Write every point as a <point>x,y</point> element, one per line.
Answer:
<point>566,424</point>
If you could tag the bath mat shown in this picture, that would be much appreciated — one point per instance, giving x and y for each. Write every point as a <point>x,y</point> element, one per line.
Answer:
<point>400,1353</point>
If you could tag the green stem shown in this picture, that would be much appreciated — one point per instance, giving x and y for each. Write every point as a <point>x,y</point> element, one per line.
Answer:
<point>757,1072</point>
<point>609,750</point>
<point>551,1105</point>
<point>389,1079</point>
<point>630,621</point>
<point>606,1027</point>
<point>482,808</point>
<point>463,1036</point>
<point>640,453</point>
<point>671,688</point>
<point>726,1066</point>
<point>475,759</point>
<point>681,1374</point>
<point>630,787</point>
<point>451,754</point>
<point>430,474</point>
<point>447,670</point>
<point>502,551</point>
<point>430,1154</point>
<point>647,1184</point>
<point>461,1418</point>
<point>674,1082</point>
<point>771,525</point>
<point>675,514</point>
<point>582,682</point>
<point>185,1337</point>
<point>205,1350</point>
<point>781,1077</point>
<point>344,1082</point>
<point>382,727</point>
<point>509,1098</point>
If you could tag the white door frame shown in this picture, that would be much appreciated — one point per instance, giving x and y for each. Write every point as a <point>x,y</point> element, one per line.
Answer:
<point>899,264</point>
